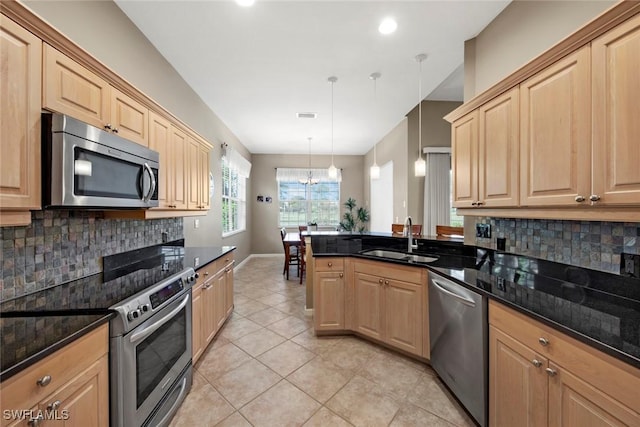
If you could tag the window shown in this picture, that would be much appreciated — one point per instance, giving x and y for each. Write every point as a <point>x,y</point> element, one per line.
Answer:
<point>455,219</point>
<point>308,196</point>
<point>235,171</point>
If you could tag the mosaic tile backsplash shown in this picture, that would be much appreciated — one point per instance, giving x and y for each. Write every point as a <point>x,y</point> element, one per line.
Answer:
<point>589,244</point>
<point>60,246</point>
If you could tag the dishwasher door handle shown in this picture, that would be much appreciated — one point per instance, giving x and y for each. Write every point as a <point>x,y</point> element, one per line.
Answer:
<point>446,290</point>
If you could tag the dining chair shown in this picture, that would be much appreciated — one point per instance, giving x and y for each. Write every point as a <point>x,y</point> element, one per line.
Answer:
<point>448,231</point>
<point>291,254</point>
<point>416,229</point>
<point>302,262</point>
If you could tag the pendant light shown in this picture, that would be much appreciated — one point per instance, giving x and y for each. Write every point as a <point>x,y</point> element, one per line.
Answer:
<point>374,171</point>
<point>333,171</point>
<point>420,167</point>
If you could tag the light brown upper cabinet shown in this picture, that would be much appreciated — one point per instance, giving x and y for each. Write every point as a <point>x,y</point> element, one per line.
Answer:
<point>464,164</point>
<point>72,89</point>
<point>170,142</point>
<point>198,157</point>
<point>555,133</point>
<point>21,88</point>
<point>485,154</point>
<point>616,115</point>
<point>498,151</point>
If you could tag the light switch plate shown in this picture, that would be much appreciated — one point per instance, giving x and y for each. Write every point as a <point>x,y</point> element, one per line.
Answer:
<point>630,265</point>
<point>196,223</point>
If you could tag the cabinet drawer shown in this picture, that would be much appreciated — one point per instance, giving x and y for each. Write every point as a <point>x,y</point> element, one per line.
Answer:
<point>22,390</point>
<point>329,264</point>
<point>391,271</point>
<point>615,378</point>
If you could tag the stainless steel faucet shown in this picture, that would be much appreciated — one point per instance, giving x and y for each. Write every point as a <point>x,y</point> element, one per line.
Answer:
<point>408,231</point>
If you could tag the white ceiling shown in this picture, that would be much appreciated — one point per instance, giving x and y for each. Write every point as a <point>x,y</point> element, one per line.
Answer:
<point>257,67</point>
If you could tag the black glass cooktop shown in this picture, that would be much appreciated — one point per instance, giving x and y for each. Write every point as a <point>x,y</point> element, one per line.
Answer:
<point>124,275</point>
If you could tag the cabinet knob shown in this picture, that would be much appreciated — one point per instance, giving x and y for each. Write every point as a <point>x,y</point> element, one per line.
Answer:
<point>594,197</point>
<point>341,275</point>
<point>479,203</point>
<point>386,282</point>
<point>115,130</point>
<point>579,199</point>
<point>53,406</point>
<point>206,273</point>
<point>474,203</point>
<point>551,372</point>
<point>329,264</point>
<point>536,363</point>
<point>107,126</point>
<point>44,381</point>
<point>543,341</point>
<point>380,281</point>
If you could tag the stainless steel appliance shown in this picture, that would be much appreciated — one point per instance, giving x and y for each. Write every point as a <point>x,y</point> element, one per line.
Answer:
<point>86,167</point>
<point>150,348</point>
<point>459,347</point>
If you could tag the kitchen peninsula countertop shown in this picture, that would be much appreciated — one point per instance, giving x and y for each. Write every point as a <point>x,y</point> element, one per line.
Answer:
<point>35,325</point>
<point>600,309</point>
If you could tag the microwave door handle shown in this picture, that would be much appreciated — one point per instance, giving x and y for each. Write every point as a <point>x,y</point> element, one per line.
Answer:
<point>152,187</point>
<point>140,335</point>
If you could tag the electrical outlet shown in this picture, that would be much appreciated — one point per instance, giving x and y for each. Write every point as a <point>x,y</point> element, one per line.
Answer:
<point>483,230</point>
<point>196,223</point>
<point>630,265</point>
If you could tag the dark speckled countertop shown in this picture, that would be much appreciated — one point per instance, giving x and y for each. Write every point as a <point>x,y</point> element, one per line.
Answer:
<point>35,325</point>
<point>597,308</point>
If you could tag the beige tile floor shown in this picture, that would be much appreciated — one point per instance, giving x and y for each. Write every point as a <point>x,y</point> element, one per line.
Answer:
<point>266,368</point>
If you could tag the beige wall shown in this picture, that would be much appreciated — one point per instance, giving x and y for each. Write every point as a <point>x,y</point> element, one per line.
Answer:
<point>103,30</point>
<point>265,224</point>
<point>521,32</point>
<point>401,146</point>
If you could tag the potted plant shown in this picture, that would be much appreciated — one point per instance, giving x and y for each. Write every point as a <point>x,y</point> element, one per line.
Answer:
<point>356,218</point>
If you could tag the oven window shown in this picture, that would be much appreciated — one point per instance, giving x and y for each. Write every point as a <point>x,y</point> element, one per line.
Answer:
<point>157,354</point>
<point>109,176</point>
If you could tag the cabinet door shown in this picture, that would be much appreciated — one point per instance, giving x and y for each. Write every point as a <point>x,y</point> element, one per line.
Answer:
<point>209,311</point>
<point>498,151</point>
<point>159,140</point>
<point>616,128</point>
<point>129,118</point>
<point>368,305</point>
<point>21,90</point>
<point>329,294</point>
<point>555,133</point>
<point>573,402</point>
<point>518,388</point>
<point>228,291</point>
<point>179,168</point>
<point>71,89</point>
<point>464,163</point>
<point>193,168</point>
<point>197,338</point>
<point>220,310</point>
<point>403,315</point>
<point>204,160</point>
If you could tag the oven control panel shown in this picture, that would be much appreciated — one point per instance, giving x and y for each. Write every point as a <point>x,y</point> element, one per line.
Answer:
<point>164,294</point>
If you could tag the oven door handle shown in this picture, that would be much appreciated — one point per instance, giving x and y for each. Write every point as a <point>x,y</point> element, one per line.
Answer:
<point>140,335</point>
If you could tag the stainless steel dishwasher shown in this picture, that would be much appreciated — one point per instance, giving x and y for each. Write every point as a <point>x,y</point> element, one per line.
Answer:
<point>458,333</point>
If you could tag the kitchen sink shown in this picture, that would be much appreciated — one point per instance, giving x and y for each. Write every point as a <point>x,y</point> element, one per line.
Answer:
<point>382,253</point>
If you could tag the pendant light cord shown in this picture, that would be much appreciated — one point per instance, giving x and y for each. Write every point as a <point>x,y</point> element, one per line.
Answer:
<point>332,82</point>
<point>375,105</point>
<point>420,109</point>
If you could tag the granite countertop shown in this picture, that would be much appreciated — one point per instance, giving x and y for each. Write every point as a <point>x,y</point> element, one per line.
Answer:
<point>36,325</point>
<point>597,308</point>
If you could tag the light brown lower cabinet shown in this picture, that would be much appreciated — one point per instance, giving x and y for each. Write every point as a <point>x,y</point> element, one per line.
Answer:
<point>212,302</point>
<point>383,301</point>
<point>76,392</point>
<point>541,377</point>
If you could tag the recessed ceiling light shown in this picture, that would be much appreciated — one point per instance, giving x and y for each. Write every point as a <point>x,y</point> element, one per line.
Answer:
<point>388,26</point>
<point>306,115</point>
<point>245,3</point>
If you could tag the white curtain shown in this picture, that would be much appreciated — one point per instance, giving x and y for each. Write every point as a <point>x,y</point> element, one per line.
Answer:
<point>237,162</point>
<point>437,192</point>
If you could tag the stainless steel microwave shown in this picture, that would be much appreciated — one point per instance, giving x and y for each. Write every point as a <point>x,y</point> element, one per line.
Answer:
<point>86,167</point>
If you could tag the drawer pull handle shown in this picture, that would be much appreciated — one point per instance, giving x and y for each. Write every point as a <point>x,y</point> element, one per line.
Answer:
<point>594,198</point>
<point>44,381</point>
<point>536,363</point>
<point>543,341</point>
<point>206,273</point>
<point>330,264</point>
<point>551,372</point>
<point>35,422</point>
<point>54,406</point>
<point>579,199</point>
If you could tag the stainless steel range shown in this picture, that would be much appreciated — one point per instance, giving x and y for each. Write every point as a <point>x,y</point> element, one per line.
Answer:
<point>150,349</point>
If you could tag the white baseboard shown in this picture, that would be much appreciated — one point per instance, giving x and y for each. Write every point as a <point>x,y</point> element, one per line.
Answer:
<point>308,311</point>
